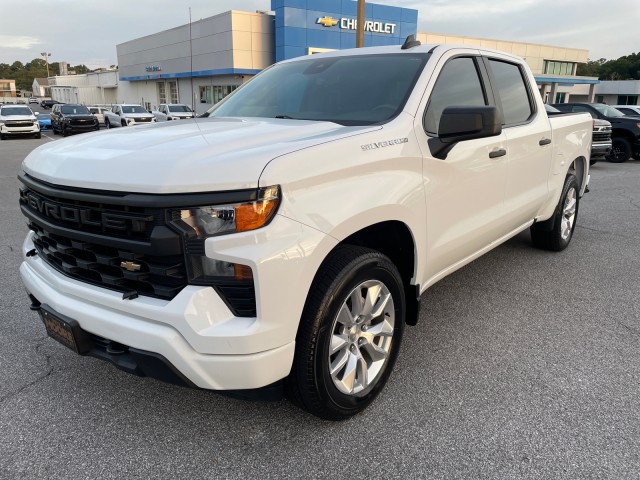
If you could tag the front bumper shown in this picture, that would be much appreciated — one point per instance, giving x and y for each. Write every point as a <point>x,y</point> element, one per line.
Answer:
<point>195,331</point>
<point>5,130</point>
<point>71,128</point>
<point>600,149</point>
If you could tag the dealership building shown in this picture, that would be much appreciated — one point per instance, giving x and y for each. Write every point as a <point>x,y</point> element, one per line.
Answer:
<point>202,62</point>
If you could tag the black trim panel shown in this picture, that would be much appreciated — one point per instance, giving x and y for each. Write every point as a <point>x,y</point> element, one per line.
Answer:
<point>157,200</point>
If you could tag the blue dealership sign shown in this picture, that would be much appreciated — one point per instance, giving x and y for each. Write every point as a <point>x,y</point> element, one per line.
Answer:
<point>310,26</point>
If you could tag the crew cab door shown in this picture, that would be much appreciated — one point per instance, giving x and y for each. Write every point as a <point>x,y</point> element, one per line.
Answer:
<point>465,191</point>
<point>529,140</point>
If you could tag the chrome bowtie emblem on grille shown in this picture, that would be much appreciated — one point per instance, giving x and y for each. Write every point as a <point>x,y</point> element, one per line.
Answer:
<point>132,267</point>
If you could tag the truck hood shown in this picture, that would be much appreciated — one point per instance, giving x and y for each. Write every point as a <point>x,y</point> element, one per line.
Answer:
<point>213,154</point>
<point>17,117</point>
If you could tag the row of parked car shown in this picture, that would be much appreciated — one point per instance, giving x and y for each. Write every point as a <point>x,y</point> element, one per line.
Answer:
<point>625,126</point>
<point>67,119</point>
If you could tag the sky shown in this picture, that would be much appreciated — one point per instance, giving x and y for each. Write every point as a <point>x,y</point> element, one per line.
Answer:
<point>87,31</point>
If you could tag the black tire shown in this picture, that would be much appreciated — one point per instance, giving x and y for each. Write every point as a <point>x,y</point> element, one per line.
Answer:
<point>593,161</point>
<point>310,384</point>
<point>123,123</point>
<point>620,150</point>
<point>2,137</point>
<point>549,235</point>
<point>65,132</point>
<point>38,135</point>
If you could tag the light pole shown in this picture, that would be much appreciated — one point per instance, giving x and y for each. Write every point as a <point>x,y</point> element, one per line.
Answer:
<point>360,25</point>
<point>46,56</point>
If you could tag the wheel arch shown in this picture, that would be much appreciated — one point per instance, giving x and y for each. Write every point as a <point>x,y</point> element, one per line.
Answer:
<point>394,239</point>
<point>579,168</point>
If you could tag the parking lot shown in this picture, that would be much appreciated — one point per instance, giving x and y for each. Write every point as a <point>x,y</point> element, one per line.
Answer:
<point>524,364</point>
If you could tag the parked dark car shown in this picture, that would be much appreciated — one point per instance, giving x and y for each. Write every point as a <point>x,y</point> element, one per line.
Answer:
<point>48,103</point>
<point>70,118</point>
<point>625,129</point>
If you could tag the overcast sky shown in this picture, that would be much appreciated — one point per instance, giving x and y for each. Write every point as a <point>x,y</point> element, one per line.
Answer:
<point>87,31</point>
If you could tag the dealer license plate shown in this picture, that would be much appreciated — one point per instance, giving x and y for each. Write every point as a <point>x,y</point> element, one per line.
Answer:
<point>64,331</point>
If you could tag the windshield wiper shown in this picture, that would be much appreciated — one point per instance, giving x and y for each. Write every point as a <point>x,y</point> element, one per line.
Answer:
<point>287,117</point>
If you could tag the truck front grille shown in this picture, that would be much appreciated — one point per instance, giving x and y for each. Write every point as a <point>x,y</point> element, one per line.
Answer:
<point>113,268</point>
<point>122,241</point>
<point>101,218</point>
<point>601,137</point>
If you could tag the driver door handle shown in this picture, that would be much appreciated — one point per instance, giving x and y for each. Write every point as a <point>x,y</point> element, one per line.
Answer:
<point>497,153</point>
<point>544,141</point>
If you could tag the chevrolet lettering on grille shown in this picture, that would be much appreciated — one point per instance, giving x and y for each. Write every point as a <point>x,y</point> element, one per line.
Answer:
<point>82,216</point>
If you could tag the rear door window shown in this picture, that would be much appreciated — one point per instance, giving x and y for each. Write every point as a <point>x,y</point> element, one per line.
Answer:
<point>512,91</point>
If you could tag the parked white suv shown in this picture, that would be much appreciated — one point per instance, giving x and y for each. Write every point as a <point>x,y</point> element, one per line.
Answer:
<point>18,120</point>
<point>127,114</point>
<point>99,113</point>
<point>173,111</point>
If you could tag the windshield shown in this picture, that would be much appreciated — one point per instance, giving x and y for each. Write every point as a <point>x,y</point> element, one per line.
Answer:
<point>74,110</point>
<point>608,111</point>
<point>349,90</point>
<point>179,108</point>
<point>133,109</point>
<point>16,111</point>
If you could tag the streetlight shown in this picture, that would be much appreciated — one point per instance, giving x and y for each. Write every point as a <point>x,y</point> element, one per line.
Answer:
<point>360,25</point>
<point>46,59</point>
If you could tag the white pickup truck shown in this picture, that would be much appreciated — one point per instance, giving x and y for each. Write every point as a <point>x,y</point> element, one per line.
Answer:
<point>173,111</point>
<point>125,115</point>
<point>286,239</point>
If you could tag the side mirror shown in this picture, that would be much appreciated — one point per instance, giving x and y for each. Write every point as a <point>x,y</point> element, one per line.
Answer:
<point>458,124</point>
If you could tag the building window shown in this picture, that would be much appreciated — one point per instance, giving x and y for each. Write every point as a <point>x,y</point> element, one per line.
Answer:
<point>173,91</point>
<point>560,97</point>
<point>627,99</point>
<point>599,98</point>
<point>214,93</point>
<point>162,93</point>
<point>558,68</point>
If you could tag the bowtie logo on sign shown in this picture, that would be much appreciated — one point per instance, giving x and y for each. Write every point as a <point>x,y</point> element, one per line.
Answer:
<point>327,21</point>
<point>351,24</point>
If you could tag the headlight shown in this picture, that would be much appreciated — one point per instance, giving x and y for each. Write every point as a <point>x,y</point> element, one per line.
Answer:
<point>212,220</point>
<point>199,223</point>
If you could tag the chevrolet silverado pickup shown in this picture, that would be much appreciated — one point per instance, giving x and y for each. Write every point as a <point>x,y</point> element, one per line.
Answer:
<point>284,241</point>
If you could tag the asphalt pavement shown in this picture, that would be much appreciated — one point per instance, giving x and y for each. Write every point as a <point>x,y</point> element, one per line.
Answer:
<point>524,364</point>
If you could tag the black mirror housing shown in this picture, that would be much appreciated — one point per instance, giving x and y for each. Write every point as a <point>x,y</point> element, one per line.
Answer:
<point>458,124</point>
